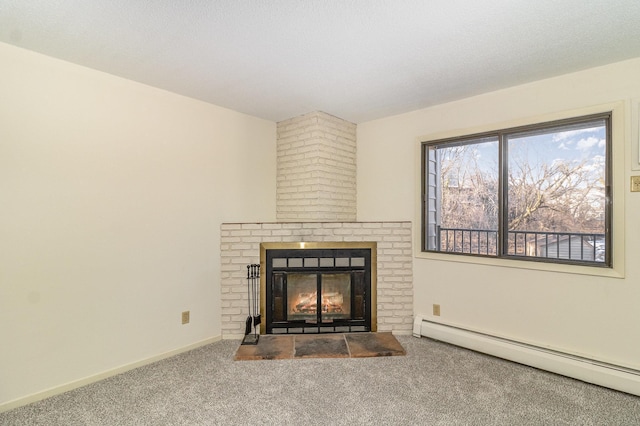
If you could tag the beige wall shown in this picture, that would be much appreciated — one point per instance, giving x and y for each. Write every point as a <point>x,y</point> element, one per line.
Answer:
<point>589,315</point>
<point>111,198</point>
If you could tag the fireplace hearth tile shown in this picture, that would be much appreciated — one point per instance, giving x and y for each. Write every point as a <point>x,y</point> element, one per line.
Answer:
<point>268,347</point>
<point>373,344</point>
<point>321,346</point>
<point>301,346</point>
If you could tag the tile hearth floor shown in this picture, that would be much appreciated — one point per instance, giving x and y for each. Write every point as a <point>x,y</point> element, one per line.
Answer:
<point>296,346</point>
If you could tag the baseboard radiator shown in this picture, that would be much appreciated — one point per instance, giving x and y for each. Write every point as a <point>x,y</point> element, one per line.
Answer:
<point>588,370</point>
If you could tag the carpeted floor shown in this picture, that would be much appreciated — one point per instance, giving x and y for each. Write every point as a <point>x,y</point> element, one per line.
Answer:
<point>434,384</point>
<point>299,346</point>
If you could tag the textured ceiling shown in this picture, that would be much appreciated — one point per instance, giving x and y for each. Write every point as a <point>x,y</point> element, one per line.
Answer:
<point>356,59</point>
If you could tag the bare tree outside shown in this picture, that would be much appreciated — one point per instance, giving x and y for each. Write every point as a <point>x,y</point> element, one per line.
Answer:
<point>555,193</point>
<point>469,197</point>
<point>470,186</point>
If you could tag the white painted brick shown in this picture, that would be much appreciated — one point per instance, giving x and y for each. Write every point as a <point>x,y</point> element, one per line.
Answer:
<point>395,280</point>
<point>383,314</point>
<point>324,146</point>
<point>251,226</point>
<point>404,285</point>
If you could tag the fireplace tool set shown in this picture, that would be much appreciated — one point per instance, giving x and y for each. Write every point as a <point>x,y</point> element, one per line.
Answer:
<point>253,297</point>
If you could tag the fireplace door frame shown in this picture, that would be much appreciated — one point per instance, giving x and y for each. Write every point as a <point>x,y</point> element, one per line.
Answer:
<point>366,250</point>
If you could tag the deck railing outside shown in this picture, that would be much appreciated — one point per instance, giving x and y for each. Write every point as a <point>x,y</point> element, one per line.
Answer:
<point>557,245</point>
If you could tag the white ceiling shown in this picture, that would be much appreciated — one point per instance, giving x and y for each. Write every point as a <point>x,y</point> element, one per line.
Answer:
<point>356,59</point>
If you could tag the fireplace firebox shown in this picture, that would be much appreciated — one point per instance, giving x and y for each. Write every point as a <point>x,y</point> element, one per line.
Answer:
<point>318,287</point>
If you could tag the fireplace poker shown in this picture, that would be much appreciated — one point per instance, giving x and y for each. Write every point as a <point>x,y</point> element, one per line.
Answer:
<point>256,300</point>
<point>253,296</point>
<point>247,326</point>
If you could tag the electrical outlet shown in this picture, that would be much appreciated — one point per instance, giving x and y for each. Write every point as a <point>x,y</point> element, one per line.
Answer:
<point>635,183</point>
<point>185,317</point>
<point>436,310</point>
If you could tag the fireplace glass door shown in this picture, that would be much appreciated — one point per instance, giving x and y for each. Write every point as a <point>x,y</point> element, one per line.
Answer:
<point>318,294</point>
<point>318,297</point>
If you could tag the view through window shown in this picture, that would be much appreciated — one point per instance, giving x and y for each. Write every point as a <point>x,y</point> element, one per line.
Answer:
<point>538,192</point>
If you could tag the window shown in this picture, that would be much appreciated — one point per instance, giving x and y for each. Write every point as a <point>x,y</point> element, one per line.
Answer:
<point>539,192</point>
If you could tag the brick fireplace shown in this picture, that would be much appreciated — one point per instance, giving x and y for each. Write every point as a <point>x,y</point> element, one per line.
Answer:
<point>241,246</point>
<point>316,203</point>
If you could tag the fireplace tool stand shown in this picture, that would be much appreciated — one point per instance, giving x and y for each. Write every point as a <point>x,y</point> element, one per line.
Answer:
<point>253,297</point>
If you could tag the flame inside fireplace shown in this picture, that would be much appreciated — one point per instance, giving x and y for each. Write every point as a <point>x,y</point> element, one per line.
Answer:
<point>334,301</point>
<point>305,303</point>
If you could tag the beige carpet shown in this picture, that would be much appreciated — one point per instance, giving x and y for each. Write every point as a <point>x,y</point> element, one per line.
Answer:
<point>433,384</point>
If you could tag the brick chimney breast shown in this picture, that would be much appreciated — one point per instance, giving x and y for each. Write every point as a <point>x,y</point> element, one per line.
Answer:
<point>316,170</point>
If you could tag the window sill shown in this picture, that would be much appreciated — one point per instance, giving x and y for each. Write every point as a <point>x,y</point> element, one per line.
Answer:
<point>523,264</point>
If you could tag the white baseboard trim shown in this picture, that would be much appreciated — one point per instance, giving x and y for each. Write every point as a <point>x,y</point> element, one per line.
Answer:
<point>10,405</point>
<point>588,370</point>
<point>233,336</point>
